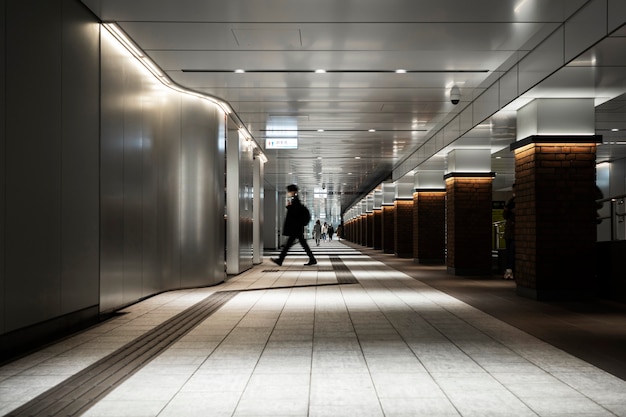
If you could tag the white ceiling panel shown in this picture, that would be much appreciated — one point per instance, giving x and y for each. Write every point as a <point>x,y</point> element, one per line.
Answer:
<point>470,44</point>
<point>341,36</point>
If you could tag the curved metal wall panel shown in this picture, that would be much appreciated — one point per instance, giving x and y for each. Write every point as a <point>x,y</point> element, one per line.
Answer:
<point>246,240</point>
<point>162,185</point>
<point>202,194</point>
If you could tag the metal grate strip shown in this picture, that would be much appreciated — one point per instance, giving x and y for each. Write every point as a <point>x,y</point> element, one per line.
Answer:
<point>343,273</point>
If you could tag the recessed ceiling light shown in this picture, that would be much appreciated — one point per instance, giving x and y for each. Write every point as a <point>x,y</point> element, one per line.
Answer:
<point>614,130</point>
<point>320,71</point>
<point>372,130</point>
<point>400,71</point>
<point>320,130</point>
<point>349,173</point>
<point>357,157</point>
<point>239,71</point>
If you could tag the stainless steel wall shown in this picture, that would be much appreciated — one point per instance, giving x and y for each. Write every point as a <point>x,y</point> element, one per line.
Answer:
<point>257,210</point>
<point>270,218</point>
<point>239,173</point>
<point>162,185</point>
<point>49,203</point>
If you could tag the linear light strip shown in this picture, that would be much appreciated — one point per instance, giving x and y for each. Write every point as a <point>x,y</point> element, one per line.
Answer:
<point>136,52</point>
<point>346,71</point>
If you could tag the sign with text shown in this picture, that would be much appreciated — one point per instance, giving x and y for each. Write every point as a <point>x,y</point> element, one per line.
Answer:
<point>281,143</point>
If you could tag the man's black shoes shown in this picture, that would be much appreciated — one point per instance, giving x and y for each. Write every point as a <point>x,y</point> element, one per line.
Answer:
<point>312,262</point>
<point>277,261</point>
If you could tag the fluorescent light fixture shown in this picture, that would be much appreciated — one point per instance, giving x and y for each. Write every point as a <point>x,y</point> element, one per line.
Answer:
<point>320,130</point>
<point>123,39</point>
<point>614,130</point>
<point>239,71</point>
<point>244,133</point>
<point>136,52</point>
<point>320,71</point>
<point>152,67</point>
<point>372,130</point>
<point>400,71</point>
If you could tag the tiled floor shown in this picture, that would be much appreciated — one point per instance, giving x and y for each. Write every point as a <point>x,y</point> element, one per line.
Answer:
<point>293,342</point>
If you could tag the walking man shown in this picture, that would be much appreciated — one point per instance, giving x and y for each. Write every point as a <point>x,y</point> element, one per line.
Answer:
<point>297,217</point>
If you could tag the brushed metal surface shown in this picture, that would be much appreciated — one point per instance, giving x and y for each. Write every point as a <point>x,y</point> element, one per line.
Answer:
<point>50,159</point>
<point>162,185</point>
<point>239,182</point>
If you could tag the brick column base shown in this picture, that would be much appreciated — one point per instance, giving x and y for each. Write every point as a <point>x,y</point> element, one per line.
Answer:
<point>403,228</point>
<point>429,227</point>
<point>555,227</point>
<point>388,227</point>
<point>468,210</point>
<point>362,226</point>
<point>377,227</point>
<point>370,230</point>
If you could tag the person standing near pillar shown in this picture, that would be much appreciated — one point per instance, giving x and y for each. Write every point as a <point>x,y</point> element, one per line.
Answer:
<point>509,235</point>
<point>297,217</point>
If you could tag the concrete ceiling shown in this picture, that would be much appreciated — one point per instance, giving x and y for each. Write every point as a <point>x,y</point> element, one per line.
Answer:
<point>360,120</point>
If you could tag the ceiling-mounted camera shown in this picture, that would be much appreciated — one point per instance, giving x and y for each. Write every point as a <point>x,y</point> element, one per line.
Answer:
<point>455,95</point>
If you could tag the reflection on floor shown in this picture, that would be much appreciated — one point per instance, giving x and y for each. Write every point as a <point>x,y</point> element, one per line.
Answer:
<point>293,341</point>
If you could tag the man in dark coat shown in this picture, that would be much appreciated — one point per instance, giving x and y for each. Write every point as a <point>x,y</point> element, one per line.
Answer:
<point>297,217</point>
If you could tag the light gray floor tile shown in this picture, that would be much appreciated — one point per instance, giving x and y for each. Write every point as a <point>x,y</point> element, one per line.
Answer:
<point>116,408</point>
<point>390,346</point>
<point>411,407</point>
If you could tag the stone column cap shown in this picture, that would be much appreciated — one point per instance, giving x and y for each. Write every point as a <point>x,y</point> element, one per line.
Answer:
<point>555,139</point>
<point>469,175</point>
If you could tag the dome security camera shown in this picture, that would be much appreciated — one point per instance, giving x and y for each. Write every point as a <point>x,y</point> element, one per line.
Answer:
<point>455,95</point>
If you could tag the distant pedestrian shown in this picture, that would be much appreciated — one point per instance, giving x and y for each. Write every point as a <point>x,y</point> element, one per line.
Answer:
<point>297,217</point>
<point>331,231</point>
<point>339,232</point>
<point>317,232</point>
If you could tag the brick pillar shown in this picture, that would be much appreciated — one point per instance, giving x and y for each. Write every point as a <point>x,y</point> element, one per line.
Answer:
<point>363,241</point>
<point>388,229</point>
<point>351,237</point>
<point>468,220</point>
<point>370,230</point>
<point>429,227</point>
<point>555,227</point>
<point>403,228</point>
<point>378,229</point>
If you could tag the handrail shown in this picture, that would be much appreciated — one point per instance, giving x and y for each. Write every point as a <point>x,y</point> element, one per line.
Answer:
<point>614,198</point>
<point>498,232</point>
<point>614,216</point>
